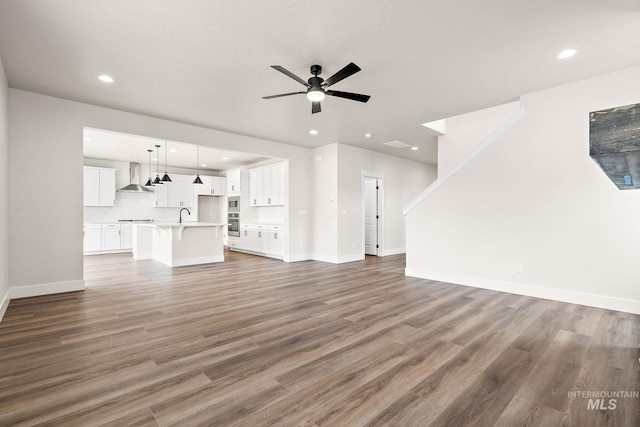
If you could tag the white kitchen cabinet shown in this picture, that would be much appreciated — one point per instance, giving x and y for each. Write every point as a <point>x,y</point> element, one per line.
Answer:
<point>267,185</point>
<point>218,186</point>
<point>233,182</point>
<point>186,191</point>
<point>110,237</point>
<point>211,186</point>
<point>99,186</point>
<point>233,242</point>
<point>262,239</point>
<point>255,187</point>
<point>126,236</point>
<point>107,238</point>
<point>175,194</point>
<point>249,240</point>
<point>274,243</point>
<point>160,191</point>
<point>92,237</point>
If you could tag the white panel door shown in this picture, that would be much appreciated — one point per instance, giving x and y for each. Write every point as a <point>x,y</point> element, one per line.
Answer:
<point>371,217</point>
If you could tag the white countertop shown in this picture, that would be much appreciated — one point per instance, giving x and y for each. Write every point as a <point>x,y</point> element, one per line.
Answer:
<point>183,224</point>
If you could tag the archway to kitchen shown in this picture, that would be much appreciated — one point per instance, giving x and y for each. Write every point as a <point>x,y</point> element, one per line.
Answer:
<point>117,166</point>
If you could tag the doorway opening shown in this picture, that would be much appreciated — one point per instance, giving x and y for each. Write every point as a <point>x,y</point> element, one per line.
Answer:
<point>373,211</point>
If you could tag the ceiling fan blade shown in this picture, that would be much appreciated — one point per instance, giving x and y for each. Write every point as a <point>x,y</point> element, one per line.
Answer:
<point>282,94</point>
<point>290,74</point>
<point>349,95</point>
<point>347,71</point>
<point>315,107</point>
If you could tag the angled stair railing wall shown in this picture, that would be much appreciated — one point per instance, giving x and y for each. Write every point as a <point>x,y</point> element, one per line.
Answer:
<point>510,122</point>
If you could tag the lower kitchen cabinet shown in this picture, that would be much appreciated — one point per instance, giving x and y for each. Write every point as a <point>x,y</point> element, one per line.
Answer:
<point>126,236</point>
<point>107,238</point>
<point>110,237</point>
<point>261,239</point>
<point>92,237</point>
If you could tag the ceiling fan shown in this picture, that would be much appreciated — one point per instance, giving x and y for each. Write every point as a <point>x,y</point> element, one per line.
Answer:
<point>317,86</point>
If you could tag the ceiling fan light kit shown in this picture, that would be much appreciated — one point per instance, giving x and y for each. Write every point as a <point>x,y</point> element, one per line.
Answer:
<point>317,86</point>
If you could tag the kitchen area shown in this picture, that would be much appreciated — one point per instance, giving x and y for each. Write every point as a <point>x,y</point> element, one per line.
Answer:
<point>180,204</point>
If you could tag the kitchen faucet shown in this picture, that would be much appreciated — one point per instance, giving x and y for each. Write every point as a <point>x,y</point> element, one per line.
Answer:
<point>180,216</point>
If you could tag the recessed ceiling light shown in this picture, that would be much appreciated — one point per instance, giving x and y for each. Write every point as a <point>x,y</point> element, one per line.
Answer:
<point>568,53</point>
<point>105,78</point>
<point>172,151</point>
<point>368,135</point>
<point>86,138</point>
<point>203,165</point>
<point>225,158</point>
<point>155,160</point>
<point>414,148</point>
<point>313,132</point>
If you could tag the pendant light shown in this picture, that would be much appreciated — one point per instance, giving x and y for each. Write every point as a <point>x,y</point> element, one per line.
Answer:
<point>165,178</point>
<point>157,180</point>
<point>149,183</point>
<point>198,180</point>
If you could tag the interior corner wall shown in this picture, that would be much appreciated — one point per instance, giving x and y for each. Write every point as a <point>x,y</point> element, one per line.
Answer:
<point>4,192</point>
<point>403,181</point>
<point>533,214</point>
<point>325,203</point>
<point>45,144</point>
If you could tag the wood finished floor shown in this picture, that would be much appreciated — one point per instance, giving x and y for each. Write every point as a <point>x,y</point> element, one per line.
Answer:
<point>255,341</point>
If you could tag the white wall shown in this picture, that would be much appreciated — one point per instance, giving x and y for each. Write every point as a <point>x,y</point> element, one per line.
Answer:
<point>535,198</point>
<point>45,138</point>
<point>403,180</point>
<point>325,203</point>
<point>4,193</point>
<point>464,132</point>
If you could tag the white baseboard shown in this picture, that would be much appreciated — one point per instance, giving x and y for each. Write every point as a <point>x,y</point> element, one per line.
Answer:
<point>46,289</point>
<point>4,303</point>
<point>298,258</point>
<point>339,260</point>
<point>564,295</point>
<point>195,261</point>
<point>350,258</point>
<point>142,255</point>
<point>396,251</point>
<point>113,251</point>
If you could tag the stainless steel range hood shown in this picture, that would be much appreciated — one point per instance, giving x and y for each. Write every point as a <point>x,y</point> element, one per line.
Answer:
<point>134,181</point>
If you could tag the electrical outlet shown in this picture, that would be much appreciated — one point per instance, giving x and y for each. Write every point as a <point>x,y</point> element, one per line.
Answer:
<point>518,267</point>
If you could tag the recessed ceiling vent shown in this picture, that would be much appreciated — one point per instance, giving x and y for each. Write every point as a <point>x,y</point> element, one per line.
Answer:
<point>397,144</point>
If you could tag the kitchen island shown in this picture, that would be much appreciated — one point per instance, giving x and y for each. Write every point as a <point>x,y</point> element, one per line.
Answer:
<point>178,244</point>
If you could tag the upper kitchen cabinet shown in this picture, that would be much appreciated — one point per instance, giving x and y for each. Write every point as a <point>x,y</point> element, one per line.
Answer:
<point>233,182</point>
<point>211,186</point>
<point>267,185</point>
<point>99,186</point>
<point>175,194</point>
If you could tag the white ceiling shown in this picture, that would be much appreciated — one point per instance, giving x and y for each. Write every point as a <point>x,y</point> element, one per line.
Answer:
<point>207,62</point>
<point>101,144</point>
